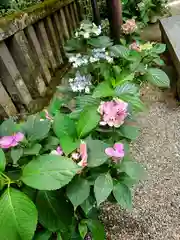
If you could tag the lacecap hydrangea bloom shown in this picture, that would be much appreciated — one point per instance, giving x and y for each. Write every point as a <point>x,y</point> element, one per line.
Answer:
<point>81,83</point>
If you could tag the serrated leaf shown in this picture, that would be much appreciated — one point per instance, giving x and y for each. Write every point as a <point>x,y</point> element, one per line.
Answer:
<point>34,150</point>
<point>103,187</point>
<point>36,129</point>
<point>126,88</point>
<point>133,169</point>
<point>159,48</point>
<point>103,90</point>
<point>16,154</point>
<point>123,195</point>
<point>128,131</point>
<point>43,235</point>
<point>49,172</point>
<point>86,100</point>
<point>97,229</point>
<point>157,77</point>
<point>96,153</point>
<point>83,230</point>
<point>18,216</point>
<point>54,211</point>
<point>78,191</point>
<point>2,161</point>
<point>88,121</point>
<point>100,42</point>
<point>134,101</point>
<point>120,51</point>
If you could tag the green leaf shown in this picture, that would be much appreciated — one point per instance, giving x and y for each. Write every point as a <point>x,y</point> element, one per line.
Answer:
<point>157,77</point>
<point>49,172</point>
<point>88,205</point>
<point>97,229</point>
<point>18,216</point>
<point>103,90</point>
<point>126,88</point>
<point>133,169</point>
<point>34,150</point>
<point>103,187</point>
<point>78,191</point>
<point>123,195</point>
<point>8,128</point>
<point>159,48</point>
<point>96,153</point>
<point>73,44</point>
<point>100,42</point>
<point>16,154</point>
<point>133,101</point>
<point>51,143</point>
<point>128,131</point>
<point>59,236</point>
<point>54,211</point>
<point>86,100</point>
<point>159,61</point>
<point>36,129</point>
<point>83,230</point>
<point>88,120</point>
<point>2,161</point>
<point>120,51</point>
<point>43,235</point>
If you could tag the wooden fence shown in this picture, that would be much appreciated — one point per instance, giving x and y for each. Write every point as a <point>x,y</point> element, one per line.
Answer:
<point>31,51</point>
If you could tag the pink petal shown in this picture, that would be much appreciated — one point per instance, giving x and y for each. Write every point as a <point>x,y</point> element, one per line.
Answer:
<point>6,141</point>
<point>82,163</point>
<point>18,137</point>
<point>110,152</point>
<point>119,147</point>
<point>83,151</point>
<point>59,150</point>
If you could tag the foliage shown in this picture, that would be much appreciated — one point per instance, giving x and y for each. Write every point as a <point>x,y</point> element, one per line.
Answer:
<point>58,166</point>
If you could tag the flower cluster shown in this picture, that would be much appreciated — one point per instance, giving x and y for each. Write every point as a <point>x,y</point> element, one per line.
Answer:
<point>88,30</point>
<point>116,152</point>
<point>11,141</point>
<point>80,83</point>
<point>100,54</point>
<point>135,46</point>
<point>113,113</point>
<point>78,60</point>
<point>81,155</point>
<point>129,26</point>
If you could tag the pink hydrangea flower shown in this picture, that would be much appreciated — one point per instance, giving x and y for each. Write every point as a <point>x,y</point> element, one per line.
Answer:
<point>58,151</point>
<point>83,155</point>
<point>11,141</point>
<point>113,113</point>
<point>129,26</point>
<point>135,46</point>
<point>116,152</point>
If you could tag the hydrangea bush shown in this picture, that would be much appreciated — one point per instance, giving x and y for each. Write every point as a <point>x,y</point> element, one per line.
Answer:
<point>60,165</point>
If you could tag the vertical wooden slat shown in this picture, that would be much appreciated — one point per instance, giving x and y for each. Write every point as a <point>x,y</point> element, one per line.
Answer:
<point>73,19</point>
<point>76,13</point>
<point>44,41</point>
<point>53,40</point>
<point>23,57</point>
<point>12,76</point>
<point>68,18</point>
<point>65,27</point>
<point>32,38</point>
<point>5,102</point>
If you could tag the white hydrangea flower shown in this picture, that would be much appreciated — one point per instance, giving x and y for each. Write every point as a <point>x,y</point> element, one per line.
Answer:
<point>86,35</point>
<point>87,90</point>
<point>109,59</point>
<point>81,83</point>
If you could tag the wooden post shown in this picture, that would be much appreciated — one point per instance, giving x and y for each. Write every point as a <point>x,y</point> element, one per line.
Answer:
<point>96,14</point>
<point>114,8</point>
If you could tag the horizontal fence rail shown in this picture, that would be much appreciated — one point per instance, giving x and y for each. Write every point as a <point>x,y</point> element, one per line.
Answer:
<point>32,50</point>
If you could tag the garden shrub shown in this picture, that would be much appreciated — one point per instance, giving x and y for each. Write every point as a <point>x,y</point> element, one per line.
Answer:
<point>60,165</point>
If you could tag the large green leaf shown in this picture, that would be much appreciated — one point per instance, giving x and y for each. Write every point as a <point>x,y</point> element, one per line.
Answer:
<point>133,169</point>
<point>86,100</point>
<point>8,128</point>
<point>49,172</point>
<point>96,153</point>
<point>103,187</point>
<point>2,161</point>
<point>43,235</point>
<point>83,230</point>
<point>78,191</point>
<point>100,42</point>
<point>128,131</point>
<point>126,88</point>
<point>97,229</point>
<point>120,51</point>
<point>36,129</point>
<point>123,195</point>
<point>157,77</point>
<point>33,150</point>
<point>18,216</point>
<point>103,90</point>
<point>88,120</point>
<point>134,101</point>
<point>16,154</point>
<point>159,48</point>
<point>55,212</point>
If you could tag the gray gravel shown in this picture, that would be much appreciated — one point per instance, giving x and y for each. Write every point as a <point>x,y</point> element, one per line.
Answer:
<point>156,212</point>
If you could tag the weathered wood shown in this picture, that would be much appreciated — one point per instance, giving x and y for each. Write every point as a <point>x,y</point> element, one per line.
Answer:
<point>46,46</point>
<point>18,21</point>
<point>23,57</point>
<point>73,19</point>
<point>68,20</point>
<point>6,104</point>
<point>65,28</point>
<point>32,38</point>
<point>76,13</point>
<point>53,41</point>
<point>12,77</point>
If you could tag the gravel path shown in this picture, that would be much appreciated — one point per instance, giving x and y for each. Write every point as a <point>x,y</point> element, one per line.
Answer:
<point>156,212</point>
